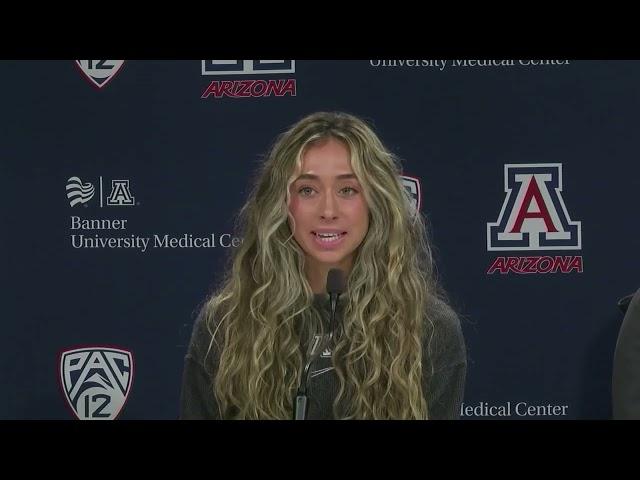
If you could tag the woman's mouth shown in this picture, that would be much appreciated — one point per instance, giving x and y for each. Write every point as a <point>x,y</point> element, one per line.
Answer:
<point>328,240</point>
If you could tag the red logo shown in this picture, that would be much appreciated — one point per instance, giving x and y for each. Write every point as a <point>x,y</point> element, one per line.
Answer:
<point>250,88</point>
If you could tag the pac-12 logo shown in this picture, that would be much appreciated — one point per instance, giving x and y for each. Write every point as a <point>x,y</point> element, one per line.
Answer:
<point>534,215</point>
<point>413,190</point>
<point>99,72</point>
<point>96,381</point>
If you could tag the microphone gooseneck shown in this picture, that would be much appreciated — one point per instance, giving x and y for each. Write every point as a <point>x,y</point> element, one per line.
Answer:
<point>335,287</point>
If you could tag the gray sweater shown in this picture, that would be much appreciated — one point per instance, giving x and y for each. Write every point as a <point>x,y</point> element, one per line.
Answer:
<point>443,389</point>
<point>626,365</point>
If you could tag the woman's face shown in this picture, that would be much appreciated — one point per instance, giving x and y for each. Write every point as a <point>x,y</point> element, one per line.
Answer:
<point>330,211</point>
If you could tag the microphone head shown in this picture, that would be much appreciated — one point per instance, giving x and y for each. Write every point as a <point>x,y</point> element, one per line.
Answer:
<point>335,281</point>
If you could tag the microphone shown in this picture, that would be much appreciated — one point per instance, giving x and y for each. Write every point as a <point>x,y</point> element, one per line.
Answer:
<point>335,287</point>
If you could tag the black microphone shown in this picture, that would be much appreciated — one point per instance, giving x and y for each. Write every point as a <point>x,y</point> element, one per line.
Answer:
<point>335,287</point>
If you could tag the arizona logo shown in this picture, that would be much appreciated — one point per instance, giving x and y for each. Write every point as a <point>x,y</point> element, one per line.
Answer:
<point>120,193</point>
<point>524,265</point>
<point>249,87</point>
<point>534,217</point>
<point>96,381</point>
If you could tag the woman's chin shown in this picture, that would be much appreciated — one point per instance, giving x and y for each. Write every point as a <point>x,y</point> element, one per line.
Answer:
<point>329,258</point>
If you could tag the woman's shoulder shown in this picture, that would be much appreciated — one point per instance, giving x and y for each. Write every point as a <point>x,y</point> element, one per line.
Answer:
<point>201,345</point>
<point>444,315</point>
<point>445,341</point>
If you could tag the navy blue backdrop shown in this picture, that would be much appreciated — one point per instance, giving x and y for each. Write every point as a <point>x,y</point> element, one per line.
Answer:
<point>542,149</point>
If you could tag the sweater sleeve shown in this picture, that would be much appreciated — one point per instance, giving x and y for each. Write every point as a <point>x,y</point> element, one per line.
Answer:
<point>197,400</point>
<point>445,373</point>
<point>626,365</point>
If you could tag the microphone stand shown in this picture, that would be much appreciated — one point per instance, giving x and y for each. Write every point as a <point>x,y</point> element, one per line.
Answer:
<point>301,403</point>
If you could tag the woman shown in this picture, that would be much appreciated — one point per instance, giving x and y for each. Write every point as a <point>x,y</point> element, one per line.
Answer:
<point>329,196</point>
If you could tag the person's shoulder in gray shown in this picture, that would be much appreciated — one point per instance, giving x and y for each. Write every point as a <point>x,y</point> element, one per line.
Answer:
<point>445,363</point>
<point>626,365</point>
<point>197,400</point>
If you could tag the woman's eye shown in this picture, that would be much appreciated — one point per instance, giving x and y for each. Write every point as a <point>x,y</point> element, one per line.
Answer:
<point>305,191</point>
<point>308,191</point>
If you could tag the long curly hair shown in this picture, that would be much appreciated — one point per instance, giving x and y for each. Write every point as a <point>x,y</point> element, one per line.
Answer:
<point>263,307</point>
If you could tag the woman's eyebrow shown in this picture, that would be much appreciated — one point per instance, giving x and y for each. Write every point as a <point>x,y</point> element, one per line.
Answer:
<point>309,176</point>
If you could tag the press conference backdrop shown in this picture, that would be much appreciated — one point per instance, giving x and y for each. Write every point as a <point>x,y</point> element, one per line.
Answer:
<point>121,180</point>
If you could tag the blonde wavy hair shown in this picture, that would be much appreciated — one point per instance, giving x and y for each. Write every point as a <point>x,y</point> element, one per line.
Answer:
<point>263,307</point>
